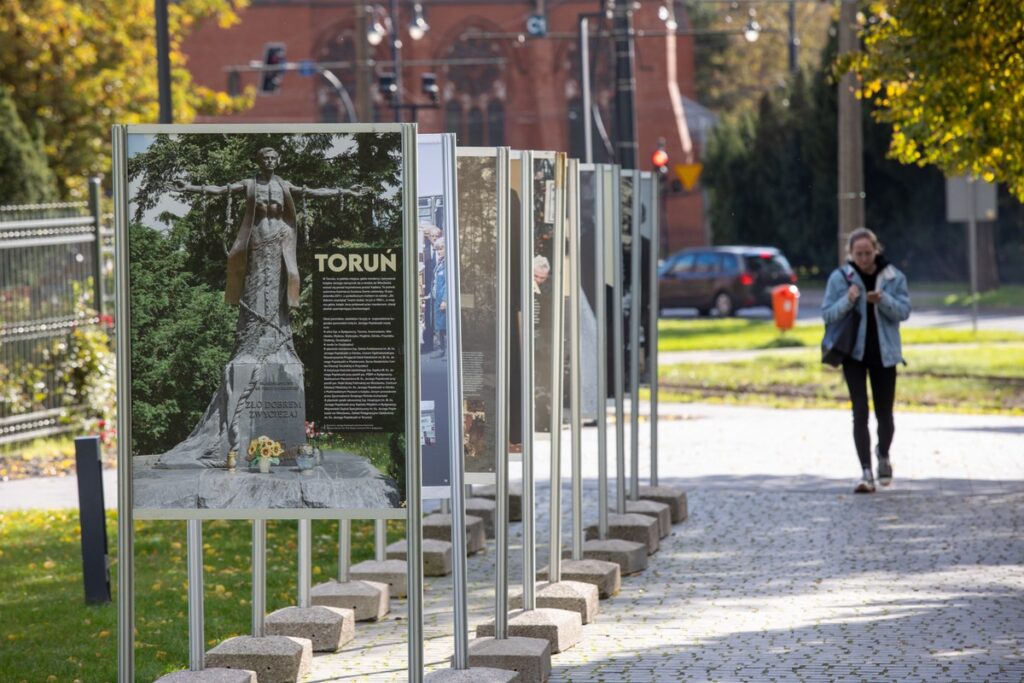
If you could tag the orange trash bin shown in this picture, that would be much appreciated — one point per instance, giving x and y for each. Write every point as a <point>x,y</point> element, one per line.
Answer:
<point>785,302</point>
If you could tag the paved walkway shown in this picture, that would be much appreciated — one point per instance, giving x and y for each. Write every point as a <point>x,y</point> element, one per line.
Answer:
<point>781,573</point>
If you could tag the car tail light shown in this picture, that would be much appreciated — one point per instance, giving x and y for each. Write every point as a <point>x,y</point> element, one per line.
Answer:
<point>766,254</point>
<point>746,279</point>
<point>792,278</point>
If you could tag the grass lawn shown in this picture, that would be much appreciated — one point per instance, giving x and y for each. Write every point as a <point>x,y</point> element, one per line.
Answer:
<point>47,633</point>
<point>739,333</point>
<point>973,378</point>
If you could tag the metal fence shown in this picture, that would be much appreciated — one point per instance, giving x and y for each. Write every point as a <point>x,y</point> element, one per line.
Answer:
<point>56,274</point>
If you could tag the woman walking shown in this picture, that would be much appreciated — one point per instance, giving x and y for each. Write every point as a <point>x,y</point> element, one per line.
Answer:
<point>878,290</point>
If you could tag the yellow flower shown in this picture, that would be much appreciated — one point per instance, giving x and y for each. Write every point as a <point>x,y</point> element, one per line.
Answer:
<point>265,451</point>
<point>252,448</point>
<point>277,450</point>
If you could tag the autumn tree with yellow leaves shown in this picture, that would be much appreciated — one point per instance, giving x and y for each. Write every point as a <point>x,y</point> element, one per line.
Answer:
<point>949,77</point>
<point>76,67</point>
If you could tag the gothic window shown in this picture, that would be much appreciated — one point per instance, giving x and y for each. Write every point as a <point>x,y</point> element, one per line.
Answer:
<point>474,90</point>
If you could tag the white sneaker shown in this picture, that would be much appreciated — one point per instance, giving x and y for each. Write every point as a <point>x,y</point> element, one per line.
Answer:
<point>884,469</point>
<point>866,484</point>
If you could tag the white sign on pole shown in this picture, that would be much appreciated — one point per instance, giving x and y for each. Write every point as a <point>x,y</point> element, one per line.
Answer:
<point>958,200</point>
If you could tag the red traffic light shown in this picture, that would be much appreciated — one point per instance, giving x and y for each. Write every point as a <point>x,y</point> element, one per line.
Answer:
<point>659,158</point>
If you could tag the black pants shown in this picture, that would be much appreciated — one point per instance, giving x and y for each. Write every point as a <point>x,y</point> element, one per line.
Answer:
<point>883,391</point>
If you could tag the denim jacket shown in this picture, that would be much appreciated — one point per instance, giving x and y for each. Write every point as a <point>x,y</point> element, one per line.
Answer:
<point>891,309</point>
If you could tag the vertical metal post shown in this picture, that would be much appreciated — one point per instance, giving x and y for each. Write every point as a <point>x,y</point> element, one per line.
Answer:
<point>380,539</point>
<point>617,367</point>
<point>526,281</point>
<point>196,630</point>
<point>344,549</point>
<point>575,360</point>
<point>635,306</point>
<point>625,106</point>
<point>94,209</point>
<point>125,516</point>
<point>460,616</point>
<point>446,506</point>
<point>396,58</point>
<point>601,244</point>
<point>584,52</point>
<point>972,246</point>
<point>794,40</point>
<point>305,563</point>
<point>163,62</point>
<point>557,366</point>
<point>413,461</point>
<point>259,576</point>
<point>652,331</point>
<point>502,249</point>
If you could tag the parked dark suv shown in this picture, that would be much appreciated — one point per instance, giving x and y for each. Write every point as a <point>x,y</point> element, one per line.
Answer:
<point>722,279</point>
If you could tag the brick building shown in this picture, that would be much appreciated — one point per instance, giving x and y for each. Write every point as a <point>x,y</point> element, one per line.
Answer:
<point>497,85</point>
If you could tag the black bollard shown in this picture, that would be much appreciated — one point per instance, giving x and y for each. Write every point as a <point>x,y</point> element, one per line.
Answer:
<point>95,570</point>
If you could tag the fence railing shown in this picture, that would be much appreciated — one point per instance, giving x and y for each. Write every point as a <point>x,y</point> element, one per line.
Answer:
<point>55,275</point>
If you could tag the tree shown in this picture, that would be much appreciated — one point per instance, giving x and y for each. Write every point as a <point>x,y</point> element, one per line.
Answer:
<point>80,66</point>
<point>949,78</point>
<point>24,175</point>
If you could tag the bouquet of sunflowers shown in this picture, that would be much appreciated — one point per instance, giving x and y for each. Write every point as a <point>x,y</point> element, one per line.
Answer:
<point>264,452</point>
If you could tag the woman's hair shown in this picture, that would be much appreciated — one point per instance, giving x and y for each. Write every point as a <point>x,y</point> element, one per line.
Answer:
<point>862,233</point>
<point>261,150</point>
<point>541,261</point>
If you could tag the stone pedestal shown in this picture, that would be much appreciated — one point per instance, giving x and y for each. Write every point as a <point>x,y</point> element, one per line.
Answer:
<point>635,528</point>
<point>529,657</point>
<point>328,628</point>
<point>274,659</point>
<point>368,599</point>
<point>472,675</point>
<point>484,509</point>
<point>395,573</point>
<point>674,498</point>
<point>606,576</point>
<point>515,498</point>
<point>572,596</point>
<point>439,528</point>
<point>210,676</point>
<point>437,555</point>
<point>631,557</point>
<point>561,628</point>
<point>652,508</point>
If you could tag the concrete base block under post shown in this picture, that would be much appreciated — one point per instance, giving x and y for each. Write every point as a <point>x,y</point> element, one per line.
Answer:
<point>631,557</point>
<point>439,527</point>
<point>652,508</point>
<point>368,599</point>
<point>561,628</point>
<point>572,596</point>
<point>472,675</point>
<point>674,498</point>
<point>437,555</point>
<point>210,676</point>
<point>529,657</point>
<point>515,498</point>
<point>606,576</point>
<point>635,528</point>
<point>484,509</point>
<point>395,573</point>
<point>328,628</point>
<point>274,659</point>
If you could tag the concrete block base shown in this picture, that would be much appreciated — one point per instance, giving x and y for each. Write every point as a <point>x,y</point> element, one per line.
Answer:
<point>606,576</point>
<point>484,509</point>
<point>439,527</point>
<point>395,573</point>
<point>653,508</point>
<point>368,599</point>
<point>530,657</point>
<point>561,628</point>
<point>328,628</point>
<point>572,596</point>
<point>472,675</point>
<point>674,498</point>
<point>210,676</point>
<point>631,557</point>
<point>437,555</point>
<point>515,498</point>
<point>274,659</point>
<point>635,528</point>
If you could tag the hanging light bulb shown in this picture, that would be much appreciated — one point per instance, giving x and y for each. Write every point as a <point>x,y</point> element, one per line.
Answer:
<point>375,32</point>
<point>667,14</point>
<point>753,30</point>
<point>418,27</point>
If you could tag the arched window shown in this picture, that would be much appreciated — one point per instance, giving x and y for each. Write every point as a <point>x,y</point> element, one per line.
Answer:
<point>475,127</point>
<point>495,123</point>
<point>338,45</point>
<point>474,90</point>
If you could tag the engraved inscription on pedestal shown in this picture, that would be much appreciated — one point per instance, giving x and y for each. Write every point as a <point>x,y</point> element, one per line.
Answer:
<point>275,407</point>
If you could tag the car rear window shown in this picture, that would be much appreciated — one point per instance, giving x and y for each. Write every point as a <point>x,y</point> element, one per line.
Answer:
<point>767,264</point>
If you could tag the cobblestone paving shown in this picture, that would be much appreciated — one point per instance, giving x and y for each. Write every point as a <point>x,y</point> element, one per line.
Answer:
<point>781,573</point>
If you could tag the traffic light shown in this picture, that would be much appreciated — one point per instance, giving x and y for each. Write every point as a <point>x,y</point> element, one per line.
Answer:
<point>659,158</point>
<point>273,55</point>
